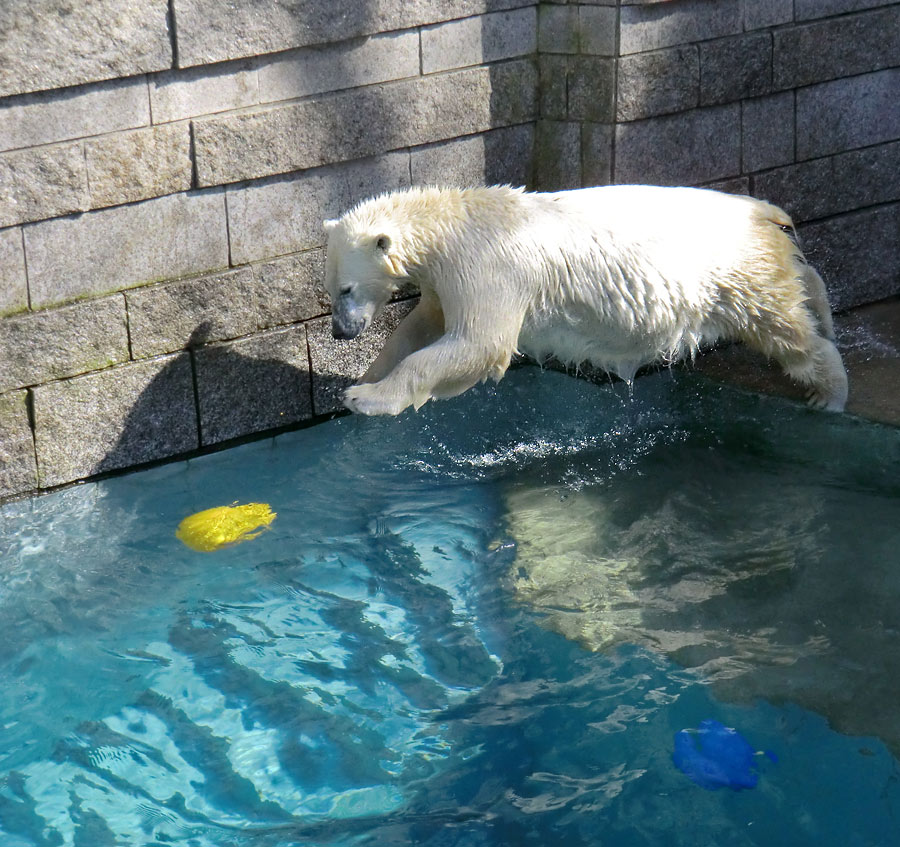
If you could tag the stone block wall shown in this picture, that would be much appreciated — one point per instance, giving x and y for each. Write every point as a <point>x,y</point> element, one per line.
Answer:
<point>165,167</point>
<point>794,101</point>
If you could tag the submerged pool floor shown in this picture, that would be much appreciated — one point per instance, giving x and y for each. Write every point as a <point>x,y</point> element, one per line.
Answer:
<point>484,624</point>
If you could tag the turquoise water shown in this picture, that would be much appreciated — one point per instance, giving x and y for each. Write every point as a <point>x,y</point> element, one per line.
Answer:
<point>409,655</point>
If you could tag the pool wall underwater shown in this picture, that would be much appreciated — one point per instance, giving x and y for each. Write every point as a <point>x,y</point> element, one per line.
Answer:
<point>543,612</point>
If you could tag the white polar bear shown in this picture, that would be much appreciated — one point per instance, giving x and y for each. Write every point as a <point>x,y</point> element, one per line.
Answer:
<point>619,276</point>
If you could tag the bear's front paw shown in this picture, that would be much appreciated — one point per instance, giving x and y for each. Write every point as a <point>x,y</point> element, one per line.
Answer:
<point>366,399</point>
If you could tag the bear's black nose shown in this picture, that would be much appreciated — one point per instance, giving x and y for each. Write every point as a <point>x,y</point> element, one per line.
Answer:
<point>344,331</point>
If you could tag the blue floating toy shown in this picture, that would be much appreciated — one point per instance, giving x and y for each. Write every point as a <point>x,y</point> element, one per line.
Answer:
<point>715,756</point>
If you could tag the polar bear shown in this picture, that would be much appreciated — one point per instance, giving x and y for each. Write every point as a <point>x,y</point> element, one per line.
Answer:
<point>618,276</point>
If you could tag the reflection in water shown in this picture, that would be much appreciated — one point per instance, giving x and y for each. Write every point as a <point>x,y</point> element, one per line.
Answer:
<point>608,567</point>
<point>769,578</point>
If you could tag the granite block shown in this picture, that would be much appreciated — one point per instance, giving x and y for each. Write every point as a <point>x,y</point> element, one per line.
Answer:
<point>13,285</point>
<point>290,289</point>
<point>834,184</point>
<point>48,44</point>
<point>362,122</point>
<point>118,248</point>
<point>510,34</point>
<point>735,68</point>
<point>838,47</point>
<point>557,29</point>
<point>54,343</point>
<point>337,364</point>
<point>315,70</point>
<point>187,93</point>
<point>597,30</point>
<point>858,254</point>
<point>18,468</point>
<point>41,183</point>
<point>651,27</point>
<point>596,154</point>
<point>591,89</point>
<point>553,73</point>
<point>73,113</point>
<point>500,156</point>
<point>211,31</point>
<point>173,316</point>
<point>513,95</point>
<point>808,9</point>
<point>253,384</point>
<point>557,155</point>
<point>855,112</point>
<point>114,418</point>
<point>657,83</point>
<point>737,185</point>
<point>473,41</point>
<point>700,146</point>
<point>767,130</point>
<point>279,216</point>
<point>758,14</point>
<point>130,166</point>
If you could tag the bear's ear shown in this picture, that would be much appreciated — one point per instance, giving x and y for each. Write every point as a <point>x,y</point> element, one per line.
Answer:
<point>391,260</point>
<point>330,225</point>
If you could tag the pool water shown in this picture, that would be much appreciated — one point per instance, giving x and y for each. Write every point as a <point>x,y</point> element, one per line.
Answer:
<point>483,624</point>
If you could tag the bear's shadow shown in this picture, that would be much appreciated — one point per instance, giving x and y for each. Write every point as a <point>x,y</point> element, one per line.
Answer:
<point>212,396</point>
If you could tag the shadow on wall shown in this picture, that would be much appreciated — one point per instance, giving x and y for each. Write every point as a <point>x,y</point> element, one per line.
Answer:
<point>216,393</point>
<point>211,393</point>
<point>509,152</point>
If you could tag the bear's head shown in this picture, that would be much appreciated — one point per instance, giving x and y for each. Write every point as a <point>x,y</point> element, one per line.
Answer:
<point>363,268</point>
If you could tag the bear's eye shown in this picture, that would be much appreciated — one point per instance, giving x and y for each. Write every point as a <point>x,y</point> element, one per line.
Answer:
<point>345,290</point>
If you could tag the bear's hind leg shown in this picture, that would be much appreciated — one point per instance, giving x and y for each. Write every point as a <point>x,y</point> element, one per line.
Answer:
<point>789,320</point>
<point>819,367</point>
<point>818,300</point>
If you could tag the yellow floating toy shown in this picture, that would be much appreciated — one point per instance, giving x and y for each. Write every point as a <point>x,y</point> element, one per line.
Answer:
<point>223,526</point>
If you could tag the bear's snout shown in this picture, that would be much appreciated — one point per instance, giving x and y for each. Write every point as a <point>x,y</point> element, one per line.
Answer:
<point>346,329</point>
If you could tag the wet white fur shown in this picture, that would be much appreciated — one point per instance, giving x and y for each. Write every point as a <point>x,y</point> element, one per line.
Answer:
<point>618,276</point>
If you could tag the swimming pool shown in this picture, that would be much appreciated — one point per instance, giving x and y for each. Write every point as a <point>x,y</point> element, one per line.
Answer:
<point>484,624</point>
